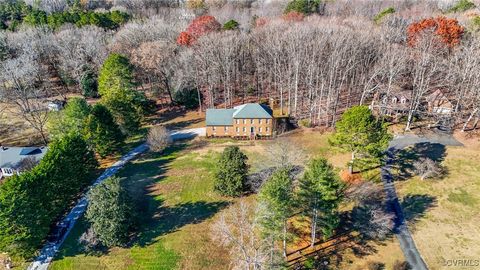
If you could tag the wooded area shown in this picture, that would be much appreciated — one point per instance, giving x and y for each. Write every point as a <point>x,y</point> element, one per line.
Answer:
<point>313,63</point>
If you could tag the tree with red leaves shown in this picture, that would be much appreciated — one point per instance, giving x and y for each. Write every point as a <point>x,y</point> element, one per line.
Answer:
<point>294,16</point>
<point>185,39</point>
<point>448,30</point>
<point>197,28</point>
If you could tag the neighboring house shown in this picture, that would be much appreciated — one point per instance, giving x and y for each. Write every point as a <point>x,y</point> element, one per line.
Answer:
<point>250,120</point>
<point>10,158</point>
<point>393,104</point>
<point>439,103</point>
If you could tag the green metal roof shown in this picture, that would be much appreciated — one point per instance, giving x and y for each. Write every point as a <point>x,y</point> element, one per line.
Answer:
<point>224,117</point>
<point>252,110</point>
<point>220,117</point>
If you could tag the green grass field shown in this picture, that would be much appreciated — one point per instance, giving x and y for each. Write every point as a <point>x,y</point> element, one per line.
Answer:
<point>179,202</point>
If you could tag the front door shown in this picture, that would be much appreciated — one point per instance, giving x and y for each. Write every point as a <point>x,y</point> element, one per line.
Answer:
<point>252,132</point>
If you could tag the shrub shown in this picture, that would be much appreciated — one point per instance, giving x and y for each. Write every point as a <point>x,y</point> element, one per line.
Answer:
<point>158,138</point>
<point>305,123</point>
<point>476,22</point>
<point>461,6</point>
<point>383,13</point>
<point>231,25</point>
<point>302,6</point>
<point>375,265</point>
<point>110,212</point>
<point>231,172</point>
<point>398,265</point>
<point>89,240</point>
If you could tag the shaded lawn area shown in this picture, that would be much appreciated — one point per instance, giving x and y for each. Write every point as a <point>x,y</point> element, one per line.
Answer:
<point>175,190</point>
<point>449,229</point>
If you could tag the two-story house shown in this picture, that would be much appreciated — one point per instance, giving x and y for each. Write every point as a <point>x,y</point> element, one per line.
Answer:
<point>249,120</point>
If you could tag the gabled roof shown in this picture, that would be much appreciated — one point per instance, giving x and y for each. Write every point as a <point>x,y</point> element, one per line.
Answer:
<point>219,117</point>
<point>10,156</point>
<point>252,110</point>
<point>224,117</point>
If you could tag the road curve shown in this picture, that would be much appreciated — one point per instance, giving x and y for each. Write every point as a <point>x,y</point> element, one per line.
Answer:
<point>407,244</point>
<point>49,250</point>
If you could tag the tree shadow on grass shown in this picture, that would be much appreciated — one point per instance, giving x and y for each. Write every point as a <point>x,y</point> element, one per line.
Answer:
<point>360,244</point>
<point>416,206</point>
<point>404,158</point>
<point>170,219</point>
<point>155,219</point>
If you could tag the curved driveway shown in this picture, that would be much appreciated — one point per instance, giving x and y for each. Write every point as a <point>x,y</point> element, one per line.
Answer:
<point>50,249</point>
<point>407,243</point>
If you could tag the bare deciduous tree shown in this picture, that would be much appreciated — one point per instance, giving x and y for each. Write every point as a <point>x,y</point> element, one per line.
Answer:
<point>239,230</point>
<point>158,138</point>
<point>427,168</point>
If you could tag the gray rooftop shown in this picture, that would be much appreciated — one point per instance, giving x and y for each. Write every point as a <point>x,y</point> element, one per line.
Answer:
<point>224,117</point>
<point>10,156</point>
<point>219,117</point>
<point>252,110</point>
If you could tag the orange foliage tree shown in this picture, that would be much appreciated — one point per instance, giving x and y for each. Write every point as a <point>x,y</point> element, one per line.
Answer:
<point>448,30</point>
<point>198,27</point>
<point>185,39</point>
<point>294,16</point>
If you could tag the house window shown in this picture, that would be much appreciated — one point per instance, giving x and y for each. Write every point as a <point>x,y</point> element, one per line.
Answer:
<point>237,121</point>
<point>214,128</point>
<point>260,121</point>
<point>259,129</point>
<point>226,129</point>
<point>251,121</point>
<point>267,129</point>
<point>244,121</point>
<point>238,130</point>
<point>394,100</point>
<point>266,121</point>
<point>403,100</point>
<point>244,129</point>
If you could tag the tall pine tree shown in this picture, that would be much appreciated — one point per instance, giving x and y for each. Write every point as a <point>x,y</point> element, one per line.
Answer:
<point>319,195</point>
<point>231,172</point>
<point>277,200</point>
<point>102,132</point>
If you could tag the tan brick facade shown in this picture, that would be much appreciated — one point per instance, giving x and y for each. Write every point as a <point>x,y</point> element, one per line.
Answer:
<point>243,128</point>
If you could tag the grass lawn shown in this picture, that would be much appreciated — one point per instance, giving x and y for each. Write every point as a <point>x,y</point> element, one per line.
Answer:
<point>448,226</point>
<point>180,206</point>
<point>175,233</point>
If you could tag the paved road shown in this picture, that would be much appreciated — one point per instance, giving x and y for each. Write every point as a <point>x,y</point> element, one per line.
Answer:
<point>407,243</point>
<point>50,249</point>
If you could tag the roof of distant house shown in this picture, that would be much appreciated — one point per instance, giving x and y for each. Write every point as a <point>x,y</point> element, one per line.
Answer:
<point>224,117</point>
<point>11,156</point>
